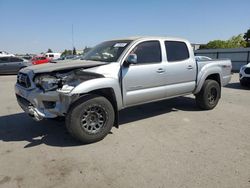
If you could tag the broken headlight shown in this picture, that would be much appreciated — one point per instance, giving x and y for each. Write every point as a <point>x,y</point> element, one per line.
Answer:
<point>64,82</point>
<point>47,82</point>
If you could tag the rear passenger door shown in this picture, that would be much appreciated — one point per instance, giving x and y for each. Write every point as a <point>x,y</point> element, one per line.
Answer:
<point>180,68</point>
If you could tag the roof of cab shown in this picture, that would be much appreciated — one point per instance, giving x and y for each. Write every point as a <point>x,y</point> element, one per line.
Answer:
<point>151,37</point>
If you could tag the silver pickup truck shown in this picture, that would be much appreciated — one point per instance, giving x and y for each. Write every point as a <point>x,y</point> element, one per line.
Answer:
<point>115,75</point>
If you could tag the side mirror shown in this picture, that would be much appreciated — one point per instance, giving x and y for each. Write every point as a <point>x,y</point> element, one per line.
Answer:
<point>131,59</point>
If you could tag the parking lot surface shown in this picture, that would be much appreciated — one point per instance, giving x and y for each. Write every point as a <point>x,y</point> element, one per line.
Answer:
<point>164,144</point>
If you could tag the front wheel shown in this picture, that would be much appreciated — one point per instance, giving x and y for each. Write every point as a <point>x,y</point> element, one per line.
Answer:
<point>90,119</point>
<point>209,95</point>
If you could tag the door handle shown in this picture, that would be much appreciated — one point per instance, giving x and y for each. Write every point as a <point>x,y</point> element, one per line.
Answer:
<point>190,67</point>
<point>160,70</point>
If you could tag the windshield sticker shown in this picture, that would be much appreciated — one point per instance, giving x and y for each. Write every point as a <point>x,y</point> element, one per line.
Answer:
<point>120,45</point>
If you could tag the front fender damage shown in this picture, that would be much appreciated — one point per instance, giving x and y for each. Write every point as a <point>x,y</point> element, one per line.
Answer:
<point>41,104</point>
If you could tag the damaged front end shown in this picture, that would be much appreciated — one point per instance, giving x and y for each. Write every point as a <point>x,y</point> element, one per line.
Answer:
<point>48,95</point>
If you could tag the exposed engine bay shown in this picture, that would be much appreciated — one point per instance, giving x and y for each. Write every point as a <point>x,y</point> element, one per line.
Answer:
<point>63,80</point>
<point>48,93</point>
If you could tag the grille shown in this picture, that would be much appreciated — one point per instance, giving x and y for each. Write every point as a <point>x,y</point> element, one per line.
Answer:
<point>23,80</point>
<point>247,70</point>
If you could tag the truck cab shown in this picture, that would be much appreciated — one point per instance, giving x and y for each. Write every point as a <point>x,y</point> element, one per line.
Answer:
<point>164,68</point>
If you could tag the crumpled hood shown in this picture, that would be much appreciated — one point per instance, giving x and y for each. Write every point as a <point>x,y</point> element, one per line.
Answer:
<point>50,67</point>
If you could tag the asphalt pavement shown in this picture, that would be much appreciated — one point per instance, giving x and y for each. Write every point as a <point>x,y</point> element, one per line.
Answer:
<point>169,143</point>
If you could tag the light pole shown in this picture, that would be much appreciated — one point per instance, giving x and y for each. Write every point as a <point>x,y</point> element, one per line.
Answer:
<point>72,33</point>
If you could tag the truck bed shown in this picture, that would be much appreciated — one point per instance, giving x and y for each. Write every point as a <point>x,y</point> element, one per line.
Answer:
<point>225,66</point>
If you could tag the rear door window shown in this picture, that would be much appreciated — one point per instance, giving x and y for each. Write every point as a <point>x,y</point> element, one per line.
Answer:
<point>15,59</point>
<point>176,51</point>
<point>4,60</point>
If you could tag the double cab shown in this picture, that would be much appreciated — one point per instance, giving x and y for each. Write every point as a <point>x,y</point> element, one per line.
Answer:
<point>117,74</point>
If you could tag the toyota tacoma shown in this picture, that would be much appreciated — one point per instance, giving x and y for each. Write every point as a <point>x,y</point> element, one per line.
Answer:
<point>115,75</point>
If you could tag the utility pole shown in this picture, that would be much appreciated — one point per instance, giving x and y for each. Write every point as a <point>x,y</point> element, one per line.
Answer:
<point>72,33</point>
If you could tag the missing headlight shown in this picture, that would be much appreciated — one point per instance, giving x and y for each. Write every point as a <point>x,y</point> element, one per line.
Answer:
<point>47,82</point>
<point>64,80</point>
<point>78,76</point>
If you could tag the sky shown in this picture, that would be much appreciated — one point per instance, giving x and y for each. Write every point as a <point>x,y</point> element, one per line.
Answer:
<point>33,26</point>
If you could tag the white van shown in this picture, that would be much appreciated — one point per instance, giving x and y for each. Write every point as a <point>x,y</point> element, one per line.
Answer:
<point>5,54</point>
<point>53,55</point>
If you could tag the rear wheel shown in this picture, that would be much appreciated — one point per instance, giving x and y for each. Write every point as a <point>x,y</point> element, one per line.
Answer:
<point>209,95</point>
<point>90,119</point>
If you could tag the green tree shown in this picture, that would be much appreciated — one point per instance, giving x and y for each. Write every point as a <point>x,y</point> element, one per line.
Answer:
<point>247,37</point>
<point>236,42</point>
<point>66,52</point>
<point>86,49</point>
<point>233,42</point>
<point>49,51</point>
<point>215,44</point>
<point>74,51</point>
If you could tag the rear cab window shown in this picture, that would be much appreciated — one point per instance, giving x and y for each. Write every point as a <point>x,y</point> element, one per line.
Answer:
<point>176,51</point>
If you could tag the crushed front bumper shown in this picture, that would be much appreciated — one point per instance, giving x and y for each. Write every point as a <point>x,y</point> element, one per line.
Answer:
<point>39,104</point>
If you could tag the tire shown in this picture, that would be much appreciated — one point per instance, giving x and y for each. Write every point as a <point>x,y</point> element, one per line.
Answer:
<point>243,83</point>
<point>90,119</point>
<point>209,95</point>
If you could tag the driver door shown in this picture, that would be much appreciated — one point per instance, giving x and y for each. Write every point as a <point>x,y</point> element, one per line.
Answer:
<point>143,82</point>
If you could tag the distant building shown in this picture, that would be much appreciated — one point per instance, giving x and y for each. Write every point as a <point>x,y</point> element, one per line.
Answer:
<point>196,46</point>
<point>79,52</point>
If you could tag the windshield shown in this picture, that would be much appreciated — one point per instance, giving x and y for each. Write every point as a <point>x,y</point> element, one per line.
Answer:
<point>109,51</point>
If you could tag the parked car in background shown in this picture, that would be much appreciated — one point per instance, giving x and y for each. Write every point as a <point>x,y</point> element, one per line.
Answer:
<point>68,57</point>
<point>78,57</point>
<point>27,57</point>
<point>53,55</point>
<point>68,60</point>
<point>40,60</point>
<point>202,58</point>
<point>245,75</point>
<point>11,64</point>
<point>5,54</point>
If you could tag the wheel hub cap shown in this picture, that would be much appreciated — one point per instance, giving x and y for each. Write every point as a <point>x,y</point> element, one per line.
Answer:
<point>93,119</point>
<point>212,96</point>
